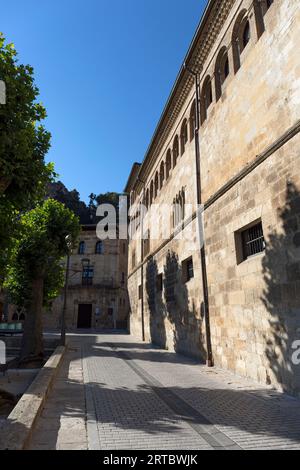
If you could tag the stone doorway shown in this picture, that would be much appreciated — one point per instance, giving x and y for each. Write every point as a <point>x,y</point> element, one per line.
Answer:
<point>84,316</point>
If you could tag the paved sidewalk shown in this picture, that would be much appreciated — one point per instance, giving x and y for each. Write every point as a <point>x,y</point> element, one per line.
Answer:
<point>62,424</point>
<point>137,397</point>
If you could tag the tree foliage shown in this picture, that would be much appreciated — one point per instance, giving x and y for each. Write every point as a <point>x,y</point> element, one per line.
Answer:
<point>24,142</point>
<point>85,212</point>
<point>71,199</point>
<point>38,251</point>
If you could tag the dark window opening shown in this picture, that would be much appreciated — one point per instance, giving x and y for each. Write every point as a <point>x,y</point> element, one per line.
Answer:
<point>162,175</point>
<point>99,248</point>
<point>156,185</point>
<point>159,283</point>
<point>222,71</point>
<point>246,34</point>
<point>87,276</point>
<point>184,136</point>
<point>188,270</point>
<point>206,98</point>
<point>253,241</point>
<point>168,164</point>
<point>193,121</point>
<point>140,292</point>
<point>249,241</point>
<point>151,192</point>
<point>175,151</point>
<point>81,249</point>
<point>226,68</point>
<point>208,95</point>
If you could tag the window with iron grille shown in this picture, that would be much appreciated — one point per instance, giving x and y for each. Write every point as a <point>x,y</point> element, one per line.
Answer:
<point>188,270</point>
<point>253,241</point>
<point>87,276</point>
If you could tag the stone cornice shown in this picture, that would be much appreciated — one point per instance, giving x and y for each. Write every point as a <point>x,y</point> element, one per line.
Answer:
<point>206,35</point>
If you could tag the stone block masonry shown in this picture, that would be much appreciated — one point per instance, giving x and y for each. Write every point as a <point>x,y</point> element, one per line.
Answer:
<point>247,57</point>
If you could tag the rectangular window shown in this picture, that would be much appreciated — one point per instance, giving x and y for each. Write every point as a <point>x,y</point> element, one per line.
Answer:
<point>140,292</point>
<point>146,242</point>
<point>253,241</point>
<point>87,276</point>
<point>123,279</point>
<point>159,283</point>
<point>250,241</point>
<point>188,269</point>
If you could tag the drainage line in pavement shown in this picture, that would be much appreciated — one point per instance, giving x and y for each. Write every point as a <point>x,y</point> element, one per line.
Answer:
<point>215,438</point>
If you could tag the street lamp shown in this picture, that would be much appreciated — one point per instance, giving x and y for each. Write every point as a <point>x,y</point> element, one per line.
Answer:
<point>69,244</point>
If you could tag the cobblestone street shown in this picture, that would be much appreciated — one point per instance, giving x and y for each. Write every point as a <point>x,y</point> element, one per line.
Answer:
<point>114,392</point>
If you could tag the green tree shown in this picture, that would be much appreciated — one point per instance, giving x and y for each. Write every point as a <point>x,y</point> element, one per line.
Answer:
<point>35,274</point>
<point>24,142</point>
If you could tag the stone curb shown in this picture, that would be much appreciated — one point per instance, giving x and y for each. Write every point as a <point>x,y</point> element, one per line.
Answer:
<point>16,433</point>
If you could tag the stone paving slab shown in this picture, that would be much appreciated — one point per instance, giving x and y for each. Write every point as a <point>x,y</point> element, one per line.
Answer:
<point>252,416</point>
<point>123,394</point>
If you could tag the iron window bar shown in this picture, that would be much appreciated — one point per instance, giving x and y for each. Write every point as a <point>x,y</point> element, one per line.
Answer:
<point>253,241</point>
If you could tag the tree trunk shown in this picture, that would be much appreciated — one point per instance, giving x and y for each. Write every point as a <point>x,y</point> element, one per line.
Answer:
<point>32,342</point>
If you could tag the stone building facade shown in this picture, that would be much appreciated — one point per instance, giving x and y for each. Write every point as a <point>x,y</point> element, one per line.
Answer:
<point>97,295</point>
<point>236,301</point>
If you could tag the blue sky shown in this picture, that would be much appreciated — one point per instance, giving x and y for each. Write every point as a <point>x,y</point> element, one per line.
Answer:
<point>105,70</point>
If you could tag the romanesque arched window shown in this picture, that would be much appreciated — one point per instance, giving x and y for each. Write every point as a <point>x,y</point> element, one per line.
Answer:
<point>266,4</point>
<point>183,136</point>
<point>156,185</point>
<point>240,38</point>
<point>193,121</point>
<point>221,71</point>
<point>99,248</point>
<point>206,97</point>
<point>168,164</point>
<point>260,9</point>
<point>183,203</point>
<point>147,199</point>
<point>151,192</point>
<point>246,34</point>
<point>162,174</point>
<point>175,151</point>
<point>81,249</point>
